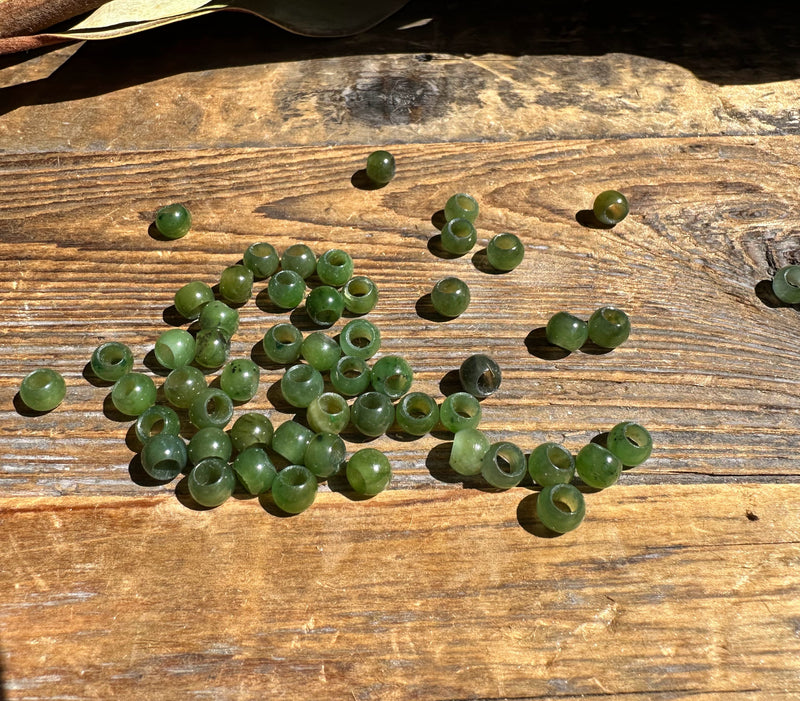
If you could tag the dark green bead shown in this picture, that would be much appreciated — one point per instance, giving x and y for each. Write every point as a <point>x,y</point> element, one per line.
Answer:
<point>480,375</point>
<point>610,207</point>
<point>320,351</point>
<point>282,343</point>
<point>368,471</point>
<point>294,489</point>
<point>191,298</point>
<point>551,463</point>
<point>350,376</point>
<point>239,379</point>
<point>44,389</point>
<point>417,413</point>
<point>459,411</point>
<point>251,429</point>
<point>786,284</point>
<point>156,420</point>
<point>262,259</point>
<point>380,167</point>
<point>503,465</point>
<point>163,456</point>
<point>597,466</point>
<point>183,385</point>
<point>286,289</point>
<point>211,482</point>
<point>372,413</point>
<point>290,440</point>
<point>236,284</point>
<point>360,295</point>
<point>213,407</point>
<point>392,376</point>
<point>111,360</point>
<point>469,447</point>
<point>133,393</point>
<point>217,314</point>
<point>300,384</point>
<point>300,259</point>
<point>173,221</point>
<point>212,347</point>
<point>450,297</point>
<point>334,267</point>
<point>209,442</point>
<point>461,206</point>
<point>328,413</point>
<point>254,470</point>
<point>630,442</point>
<point>174,348</point>
<point>325,454</point>
<point>505,251</point>
<point>360,339</point>
<point>324,305</point>
<point>458,236</point>
<point>560,507</point>
<point>609,327</point>
<point>567,331</point>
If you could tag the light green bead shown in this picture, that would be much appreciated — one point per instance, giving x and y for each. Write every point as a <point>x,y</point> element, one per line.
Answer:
<point>286,289</point>
<point>183,385</point>
<point>551,463</point>
<point>450,297</point>
<point>111,360</point>
<point>320,351</point>
<point>44,389</point>
<point>417,413</point>
<point>209,442</point>
<point>212,407</point>
<point>156,420</point>
<point>133,393</point>
<point>360,295</point>
<point>328,413</point>
<point>334,267</point>
<point>392,376</point>
<point>360,338</point>
<point>503,465</point>
<point>368,471</point>
<point>469,447</point>
<point>282,343</point>
<point>236,284</point>
<point>262,259</point>
<point>460,411</point>
<point>191,298</point>
<point>560,507</point>
<point>566,331</point>
<point>294,489</point>
<point>300,259</point>
<point>217,314</point>
<point>174,348</point>
<point>505,252</point>
<point>300,384</point>
<point>461,205</point>
<point>251,429</point>
<point>350,376</point>
<point>609,327</point>
<point>630,442</point>
<point>459,236</point>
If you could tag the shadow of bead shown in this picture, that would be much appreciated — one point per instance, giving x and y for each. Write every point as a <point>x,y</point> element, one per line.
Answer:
<point>259,357</point>
<point>140,477</point>
<point>361,181</point>
<point>154,233</point>
<point>92,379</point>
<point>277,399</point>
<point>171,317</point>
<point>302,321</point>
<point>435,247</point>
<point>587,219</point>
<point>765,293</point>
<point>438,219</point>
<point>24,410</point>
<point>480,259</point>
<point>338,483</point>
<point>267,503</point>
<point>397,434</point>
<point>601,439</point>
<point>591,348</point>
<point>185,498</point>
<point>151,363</point>
<point>537,344</point>
<point>112,413</point>
<point>425,310</point>
<point>132,440</point>
<point>529,519</point>
<point>450,383</point>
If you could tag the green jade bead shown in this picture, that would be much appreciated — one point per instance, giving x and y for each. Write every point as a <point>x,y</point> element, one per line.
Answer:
<point>630,442</point>
<point>417,413</point>
<point>460,411</point>
<point>133,393</point>
<point>164,456</point>
<point>324,305</point>
<point>218,315</point>
<point>328,413</point>
<point>155,420</point>
<point>610,207</point>
<point>111,360</point>
<point>469,447</point>
<point>503,465</point>
<point>300,259</point>
<point>183,385</point>
<point>459,236</point>
<point>566,331</point>
<point>174,348</point>
<point>372,414</point>
<point>392,376</point>
<point>609,327</point>
<point>282,343</point>
<point>505,252</point>
<point>350,376</point>
<point>290,441</point>
<point>191,298</point>
<point>560,507</point>
<point>210,442</point>
<point>320,351</point>
<point>335,267</point>
<point>597,466</point>
<point>786,284</point>
<point>43,389</point>
<point>262,259</point>
<point>239,379</point>
<point>480,375</point>
<point>212,347</point>
<point>211,408</point>
<point>551,463</point>
<point>461,205</point>
<point>360,295</point>
<point>325,454</point>
<point>286,289</point>
<point>211,482</point>
<point>294,489</point>
<point>300,384</point>
<point>251,429</point>
<point>380,167</point>
<point>360,339</point>
<point>173,221</point>
<point>450,297</point>
<point>236,284</point>
<point>368,471</point>
<point>254,469</point>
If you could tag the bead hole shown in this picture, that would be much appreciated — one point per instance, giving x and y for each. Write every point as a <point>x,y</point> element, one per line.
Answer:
<point>792,276</point>
<point>613,316</point>
<point>168,465</point>
<point>331,404</point>
<point>262,250</point>
<point>467,204</point>
<point>300,373</point>
<point>564,502</point>
<point>285,277</point>
<point>486,382</point>
<point>156,427</point>
<point>38,380</point>
<point>505,242</point>
<point>558,457</point>
<point>635,437</point>
<point>372,401</point>
<point>284,336</point>
<point>395,382</point>
<point>418,409</point>
<point>295,478</point>
<point>112,356</point>
<point>206,475</point>
<point>215,408</point>
<point>461,228</point>
<point>503,462</point>
<point>358,288</point>
<point>360,340</point>
<point>296,250</point>
<point>465,409</point>
<point>337,258</point>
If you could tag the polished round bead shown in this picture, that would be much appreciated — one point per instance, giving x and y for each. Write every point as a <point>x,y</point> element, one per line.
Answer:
<point>174,348</point>
<point>294,489</point>
<point>597,466</point>
<point>505,251</point>
<point>560,507</point>
<point>324,305</point>
<point>551,463</point>
<point>173,221</point>
<point>566,331</point>
<point>786,284</point>
<point>111,360</point>
<point>350,376</point>
<point>380,167</point>
<point>469,447</point>
<point>459,411</point>
<point>236,284</point>
<point>360,294</point>
<point>630,442</point>
<point>335,267</point>
<point>212,347</point>
<point>164,456</point>
<point>372,413</point>
<point>609,327</point>
<point>392,376</point>
<point>282,343</point>
<point>360,339</point>
<point>133,393</point>
<point>300,259</point>
<point>155,420</point>
<point>182,386</point>
<point>461,206</point>
<point>368,471</point>
<point>211,482</point>
<point>290,440</point>
<point>209,442</point>
<point>254,469</point>
<point>450,297</point>
<point>251,429</point>
<point>610,207</point>
<point>328,413</point>
<point>43,389</point>
<point>325,454</point>
<point>213,407</point>
<point>286,289</point>
<point>262,259</point>
<point>191,298</point>
<point>417,413</point>
<point>320,351</point>
<point>217,314</point>
<point>300,384</point>
<point>503,465</point>
<point>458,236</point>
<point>480,375</point>
<point>239,379</point>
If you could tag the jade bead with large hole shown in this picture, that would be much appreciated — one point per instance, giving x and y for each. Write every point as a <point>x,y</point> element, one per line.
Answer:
<point>480,375</point>
<point>183,384</point>
<point>282,343</point>
<point>560,507</point>
<point>212,407</point>
<point>450,297</point>
<point>630,442</point>
<point>417,413</point>
<point>350,376</point>
<point>44,389</point>
<point>609,327</point>
<point>551,463</point>
<point>155,420</point>
<point>173,221</point>
<point>505,251</point>
<point>164,456</point>
<point>300,384</point>
<point>133,393</point>
<point>610,207</point>
<point>325,454</point>
<point>211,482</point>
<point>503,465</point>
<point>262,259</point>
<point>174,348</point>
<point>360,338</point>
<point>286,289</point>
<point>459,411</point>
<point>300,259</point>
<point>209,442</point>
<point>360,294</point>
<point>566,331</point>
<point>324,305</point>
<point>466,454</point>
<point>294,489</point>
<point>461,205</point>
<point>191,298</point>
<point>786,284</point>
<point>290,440</point>
<point>392,376</point>
<point>597,466</point>
<point>458,236</point>
<point>251,429</point>
<point>372,413</point>
<point>368,471</point>
<point>236,284</point>
<point>111,360</point>
<point>328,413</point>
<point>335,267</point>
